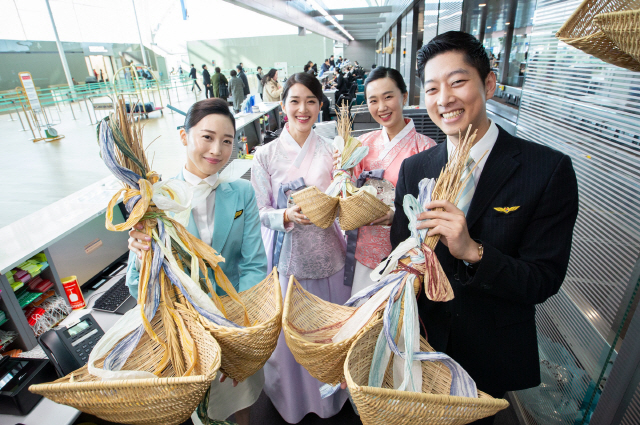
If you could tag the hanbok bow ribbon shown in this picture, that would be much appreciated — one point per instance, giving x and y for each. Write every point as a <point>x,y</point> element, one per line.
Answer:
<point>296,184</point>
<point>352,235</point>
<point>372,174</point>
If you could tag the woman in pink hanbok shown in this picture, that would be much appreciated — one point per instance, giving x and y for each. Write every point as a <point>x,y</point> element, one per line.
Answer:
<point>386,94</point>
<point>298,158</point>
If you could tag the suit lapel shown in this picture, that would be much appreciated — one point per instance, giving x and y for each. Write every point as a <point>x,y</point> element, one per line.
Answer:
<point>496,172</point>
<point>225,210</point>
<point>437,161</point>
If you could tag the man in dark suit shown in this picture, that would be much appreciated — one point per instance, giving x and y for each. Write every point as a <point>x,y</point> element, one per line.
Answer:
<point>243,77</point>
<point>511,249</point>
<point>194,77</point>
<point>206,80</point>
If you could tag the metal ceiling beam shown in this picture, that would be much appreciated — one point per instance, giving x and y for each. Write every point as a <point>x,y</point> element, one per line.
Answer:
<point>282,11</point>
<point>361,24</point>
<point>361,10</point>
<point>354,20</point>
<point>357,11</point>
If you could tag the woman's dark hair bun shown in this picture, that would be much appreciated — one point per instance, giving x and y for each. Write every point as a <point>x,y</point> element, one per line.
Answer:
<point>382,72</point>
<point>203,108</point>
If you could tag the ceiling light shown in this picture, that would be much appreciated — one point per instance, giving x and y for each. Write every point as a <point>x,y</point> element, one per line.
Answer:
<point>314,4</point>
<point>482,4</point>
<point>409,33</point>
<point>488,28</point>
<point>403,36</point>
<point>507,23</point>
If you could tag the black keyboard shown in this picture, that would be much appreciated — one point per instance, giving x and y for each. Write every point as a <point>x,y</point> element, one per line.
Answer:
<point>114,297</point>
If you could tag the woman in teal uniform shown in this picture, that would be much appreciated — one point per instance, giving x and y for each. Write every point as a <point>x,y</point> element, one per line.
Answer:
<point>225,216</point>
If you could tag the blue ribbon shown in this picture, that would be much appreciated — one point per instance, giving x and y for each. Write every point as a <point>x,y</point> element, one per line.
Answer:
<point>282,203</point>
<point>352,235</point>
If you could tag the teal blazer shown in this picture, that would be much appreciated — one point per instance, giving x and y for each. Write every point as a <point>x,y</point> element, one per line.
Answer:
<point>236,236</point>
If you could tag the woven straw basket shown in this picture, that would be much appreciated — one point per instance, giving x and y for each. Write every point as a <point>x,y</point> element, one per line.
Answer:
<point>246,350</point>
<point>386,406</point>
<point>360,209</point>
<point>354,211</point>
<point>319,207</point>
<point>304,312</point>
<point>606,29</point>
<point>165,400</point>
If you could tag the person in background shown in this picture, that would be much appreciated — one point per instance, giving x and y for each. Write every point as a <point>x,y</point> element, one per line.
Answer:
<point>101,77</point>
<point>95,73</point>
<point>73,80</point>
<point>324,67</point>
<point>386,93</point>
<point>373,66</point>
<point>245,82</point>
<point>339,61</point>
<point>241,65</point>
<point>272,88</point>
<point>315,67</point>
<point>505,246</point>
<point>227,220</point>
<point>342,84</point>
<point>351,75</point>
<point>332,62</point>
<point>216,79</point>
<point>313,255</point>
<point>180,71</point>
<point>260,76</point>
<point>306,67</point>
<point>236,90</point>
<point>194,76</point>
<point>206,80</point>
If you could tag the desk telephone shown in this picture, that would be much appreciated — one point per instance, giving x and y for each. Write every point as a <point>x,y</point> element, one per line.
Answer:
<point>69,348</point>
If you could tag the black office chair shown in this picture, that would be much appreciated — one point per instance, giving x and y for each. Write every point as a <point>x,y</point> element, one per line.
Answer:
<point>348,97</point>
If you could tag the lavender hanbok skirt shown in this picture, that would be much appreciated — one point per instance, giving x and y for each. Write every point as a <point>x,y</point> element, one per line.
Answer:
<point>289,386</point>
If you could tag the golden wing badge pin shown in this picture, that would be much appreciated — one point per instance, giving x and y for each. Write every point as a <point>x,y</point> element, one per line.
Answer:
<point>506,210</point>
<point>238,214</point>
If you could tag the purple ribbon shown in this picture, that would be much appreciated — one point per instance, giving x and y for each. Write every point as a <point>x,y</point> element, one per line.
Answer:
<point>282,203</point>
<point>352,235</point>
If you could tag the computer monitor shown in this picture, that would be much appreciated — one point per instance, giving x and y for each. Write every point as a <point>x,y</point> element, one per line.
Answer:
<point>90,249</point>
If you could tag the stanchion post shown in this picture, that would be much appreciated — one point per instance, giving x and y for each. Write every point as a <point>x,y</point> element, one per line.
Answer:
<point>72,113</point>
<point>21,123</point>
<point>169,98</point>
<point>88,113</point>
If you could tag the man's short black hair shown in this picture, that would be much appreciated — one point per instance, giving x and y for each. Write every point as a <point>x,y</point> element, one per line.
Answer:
<point>239,68</point>
<point>204,66</point>
<point>192,65</point>
<point>456,41</point>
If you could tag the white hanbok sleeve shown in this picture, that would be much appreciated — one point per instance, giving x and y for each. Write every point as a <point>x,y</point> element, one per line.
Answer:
<point>270,217</point>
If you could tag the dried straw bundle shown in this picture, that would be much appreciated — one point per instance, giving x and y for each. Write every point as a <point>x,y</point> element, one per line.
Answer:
<point>448,187</point>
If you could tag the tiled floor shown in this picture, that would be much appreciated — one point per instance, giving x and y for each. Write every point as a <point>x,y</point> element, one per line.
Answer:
<point>37,174</point>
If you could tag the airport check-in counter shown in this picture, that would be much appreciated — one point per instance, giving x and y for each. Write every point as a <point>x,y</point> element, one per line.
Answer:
<point>67,232</point>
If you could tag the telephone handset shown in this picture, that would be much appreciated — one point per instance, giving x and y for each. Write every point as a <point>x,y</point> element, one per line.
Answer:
<point>69,348</point>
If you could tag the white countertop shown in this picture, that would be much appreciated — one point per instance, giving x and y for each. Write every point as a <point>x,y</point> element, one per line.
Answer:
<point>243,119</point>
<point>31,234</point>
